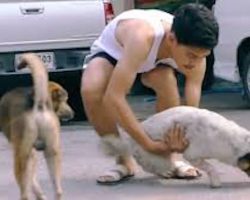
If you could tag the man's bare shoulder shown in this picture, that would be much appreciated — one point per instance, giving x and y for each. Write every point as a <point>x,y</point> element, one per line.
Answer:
<point>135,29</point>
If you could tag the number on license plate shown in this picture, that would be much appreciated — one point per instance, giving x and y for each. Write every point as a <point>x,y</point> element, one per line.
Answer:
<point>46,57</point>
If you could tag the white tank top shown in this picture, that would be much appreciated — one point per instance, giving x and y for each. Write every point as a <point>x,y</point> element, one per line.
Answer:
<point>108,43</point>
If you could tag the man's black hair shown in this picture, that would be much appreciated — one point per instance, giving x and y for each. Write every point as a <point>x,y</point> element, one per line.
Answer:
<point>195,25</point>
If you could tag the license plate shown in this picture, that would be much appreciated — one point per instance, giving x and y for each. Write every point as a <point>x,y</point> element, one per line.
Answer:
<point>48,59</point>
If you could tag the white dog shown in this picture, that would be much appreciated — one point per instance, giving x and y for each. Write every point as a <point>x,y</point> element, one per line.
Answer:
<point>211,136</point>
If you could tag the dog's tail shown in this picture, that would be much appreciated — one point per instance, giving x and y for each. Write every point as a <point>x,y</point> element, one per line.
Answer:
<point>115,146</point>
<point>40,79</point>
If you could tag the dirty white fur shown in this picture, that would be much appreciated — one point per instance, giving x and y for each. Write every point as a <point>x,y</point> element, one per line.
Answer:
<point>210,136</point>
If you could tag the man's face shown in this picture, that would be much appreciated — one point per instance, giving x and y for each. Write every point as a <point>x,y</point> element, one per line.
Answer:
<point>188,57</point>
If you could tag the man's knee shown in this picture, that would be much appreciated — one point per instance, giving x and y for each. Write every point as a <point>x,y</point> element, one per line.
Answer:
<point>90,91</point>
<point>90,94</point>
<point>158,78</point>
<point>145,81</point>
<point>150,79</point>
<point>95,77</point>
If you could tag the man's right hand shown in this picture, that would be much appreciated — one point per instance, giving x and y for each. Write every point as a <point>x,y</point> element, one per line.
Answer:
<point>174,141</point>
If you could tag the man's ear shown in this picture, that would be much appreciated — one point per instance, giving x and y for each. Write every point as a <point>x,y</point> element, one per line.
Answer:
<point>172,39</point>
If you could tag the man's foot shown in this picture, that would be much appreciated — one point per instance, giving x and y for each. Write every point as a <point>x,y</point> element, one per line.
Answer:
<point>185,171</point>
<point>115,176</point>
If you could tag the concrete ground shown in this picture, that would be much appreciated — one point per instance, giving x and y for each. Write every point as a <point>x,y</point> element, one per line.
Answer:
<point>83,162</point>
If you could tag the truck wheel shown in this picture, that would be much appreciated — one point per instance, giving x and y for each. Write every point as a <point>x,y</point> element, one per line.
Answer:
<point>246,78</point>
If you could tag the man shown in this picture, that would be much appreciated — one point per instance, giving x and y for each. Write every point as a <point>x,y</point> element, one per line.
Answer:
<point>171,6</point>
<point>155,44</point>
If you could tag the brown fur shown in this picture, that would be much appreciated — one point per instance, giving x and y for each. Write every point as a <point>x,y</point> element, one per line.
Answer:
<point>29,118</point>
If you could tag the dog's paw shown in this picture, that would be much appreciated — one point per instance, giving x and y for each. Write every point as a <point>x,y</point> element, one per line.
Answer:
<point>41,198</point>
<point>215,183</point>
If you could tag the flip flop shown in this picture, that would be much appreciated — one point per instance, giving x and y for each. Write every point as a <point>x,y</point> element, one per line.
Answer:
<point>182,169</point>
<point>116,176</point>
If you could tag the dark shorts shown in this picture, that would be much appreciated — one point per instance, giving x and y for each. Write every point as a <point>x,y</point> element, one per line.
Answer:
<point>113,61</point>
<point>103,54</point>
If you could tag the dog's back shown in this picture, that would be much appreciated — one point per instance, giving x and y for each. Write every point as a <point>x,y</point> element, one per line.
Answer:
<point>210,134</point>
<point>12,106</point>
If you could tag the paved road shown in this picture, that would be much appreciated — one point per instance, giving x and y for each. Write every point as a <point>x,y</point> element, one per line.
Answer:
<point>83,161</point>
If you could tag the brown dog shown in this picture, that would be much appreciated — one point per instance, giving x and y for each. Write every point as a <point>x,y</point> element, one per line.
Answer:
<point>29,118</point>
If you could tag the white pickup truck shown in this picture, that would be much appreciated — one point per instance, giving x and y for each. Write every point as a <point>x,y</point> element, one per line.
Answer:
<point>60,32</point>
<point>49,26</point>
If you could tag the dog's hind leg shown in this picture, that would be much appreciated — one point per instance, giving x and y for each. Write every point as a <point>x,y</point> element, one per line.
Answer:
<point>37,190</point>
<point>22,169</point>
<point>211,172</point>
<point>53,158</point>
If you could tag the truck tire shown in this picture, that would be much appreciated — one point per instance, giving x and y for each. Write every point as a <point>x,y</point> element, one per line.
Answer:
<point>246,78</point>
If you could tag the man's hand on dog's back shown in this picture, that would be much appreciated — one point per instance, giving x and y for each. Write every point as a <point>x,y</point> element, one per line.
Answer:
<point>174,141</point>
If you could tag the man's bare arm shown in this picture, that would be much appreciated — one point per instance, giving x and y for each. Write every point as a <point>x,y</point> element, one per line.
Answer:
<point>193,85</point>
<point>136,48</point>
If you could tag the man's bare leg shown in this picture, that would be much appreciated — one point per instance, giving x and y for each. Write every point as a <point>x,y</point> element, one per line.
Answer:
<point>95,79</point>
<point>163,81</point>
<point>94,83</point>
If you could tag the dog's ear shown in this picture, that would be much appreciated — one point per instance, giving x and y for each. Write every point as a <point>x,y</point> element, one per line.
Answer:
<point>57,92</point>
<point>244,163</point>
